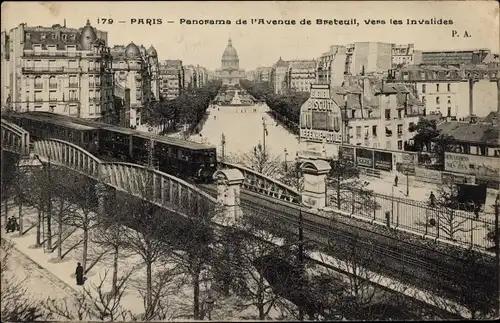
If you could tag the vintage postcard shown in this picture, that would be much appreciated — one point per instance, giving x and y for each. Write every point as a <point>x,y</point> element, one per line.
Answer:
<point>250,160</point>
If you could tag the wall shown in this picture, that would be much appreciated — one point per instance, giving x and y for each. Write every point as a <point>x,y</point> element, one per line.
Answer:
<point>481,166</point>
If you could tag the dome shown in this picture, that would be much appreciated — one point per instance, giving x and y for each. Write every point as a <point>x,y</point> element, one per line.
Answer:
<point>87,36</point>
<point>230,53</point>
<point>132,50</point>
<point>152,51</point>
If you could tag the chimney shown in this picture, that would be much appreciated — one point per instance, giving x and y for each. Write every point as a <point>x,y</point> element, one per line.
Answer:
<point>471,96</point>
<point>64,25</point>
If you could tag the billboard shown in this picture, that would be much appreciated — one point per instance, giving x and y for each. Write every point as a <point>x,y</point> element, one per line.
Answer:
<point>481,166</point>
<point>364,157</point>
<point>382,160</point>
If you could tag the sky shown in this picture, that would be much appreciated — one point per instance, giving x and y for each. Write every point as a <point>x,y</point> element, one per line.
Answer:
<point>263,45</point>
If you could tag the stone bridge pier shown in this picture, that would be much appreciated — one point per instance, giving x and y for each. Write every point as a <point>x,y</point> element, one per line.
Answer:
<point>314,193</point>
<point>229,182</point>
<point>106,199</point>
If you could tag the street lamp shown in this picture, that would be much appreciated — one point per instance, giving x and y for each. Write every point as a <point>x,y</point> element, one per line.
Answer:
<point>209,302</point>
<point>223,144</point>
<point>264,133</point>
<point>286,166</point>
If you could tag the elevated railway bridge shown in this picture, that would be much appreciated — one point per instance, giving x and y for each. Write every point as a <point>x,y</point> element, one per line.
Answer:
<point>420,265</point>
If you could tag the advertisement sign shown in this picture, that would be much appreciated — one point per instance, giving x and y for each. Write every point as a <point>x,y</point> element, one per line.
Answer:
<point>383,160</point>
<point>409,158</point>
<point>483,166</point>
<point>347,153</point>
<point>320,136</point>
<point>364,157</point>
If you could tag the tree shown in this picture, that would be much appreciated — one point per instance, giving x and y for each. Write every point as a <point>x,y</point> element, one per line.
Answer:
<point>111,234</point>
<point>195,238</point>
<point>293,176</point>
<point>350,192</point>
<point>245,246</point>
<point>355,293</point>
<point>147,226</point>
<point>446,216</point>
<point>262,161</point>
<point>92,303</point>
<point>82,193</point>
<point>15,305</point>
<point>434,141</point>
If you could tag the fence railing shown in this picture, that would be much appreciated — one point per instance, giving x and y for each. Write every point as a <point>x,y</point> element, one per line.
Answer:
<point>448,223</point>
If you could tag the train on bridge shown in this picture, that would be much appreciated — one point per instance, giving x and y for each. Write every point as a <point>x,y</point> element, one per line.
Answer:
<point>181,158</point>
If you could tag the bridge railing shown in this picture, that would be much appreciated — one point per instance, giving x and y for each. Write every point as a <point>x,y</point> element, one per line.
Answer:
<point>15,138</point>
<point>263,184</point>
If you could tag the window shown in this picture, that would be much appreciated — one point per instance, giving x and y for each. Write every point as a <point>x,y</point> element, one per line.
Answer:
<point>64,37</point>
<point>400,129</point>
<point>423,99</point>
<point>358,132</point>
<point>449,112</point>
<point>448,87</point>
<point>400,144</point>
<point>423,88</point>
<point>38,96</point>
<point>387,114</point>
<point>38,83</point>
<point>437,87</point>
<point>52,108</point>
<point>374,131</point>
<point>38,107</point>
<point>52,96</point>
<point>52,82</point>
<point>438,100</point>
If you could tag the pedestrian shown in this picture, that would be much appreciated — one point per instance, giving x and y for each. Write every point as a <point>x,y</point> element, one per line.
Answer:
<point>15,224</point>
<point>8,227</point>
<point>432,200</point>
<point>79,274</point>
<point>396,181</point>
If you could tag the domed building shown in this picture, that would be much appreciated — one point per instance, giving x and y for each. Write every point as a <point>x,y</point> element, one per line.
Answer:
<point>135,71</point>
<point>230,72</point>
<point>57,69</point>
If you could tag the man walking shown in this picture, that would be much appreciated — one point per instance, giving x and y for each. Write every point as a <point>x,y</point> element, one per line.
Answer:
<point>79,274</point>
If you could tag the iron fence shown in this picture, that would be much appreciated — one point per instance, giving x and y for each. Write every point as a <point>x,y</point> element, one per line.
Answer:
<point>461,226</point>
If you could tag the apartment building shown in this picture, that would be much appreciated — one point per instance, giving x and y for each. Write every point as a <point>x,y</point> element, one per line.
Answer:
<point>451,91</point>
<point>58,69</point>
<point>301,74</point>
<point>171,79</point>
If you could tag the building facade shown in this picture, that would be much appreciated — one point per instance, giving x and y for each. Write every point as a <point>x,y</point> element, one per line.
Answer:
<point>364,114</point>
<point>452,91</point>
<point>132,72</point>
<point>58,69</point>
<point>301,74</point>
<point>171,79</point>
<point>331,66</point>
<point>230,72</point>
<point>280,76</point>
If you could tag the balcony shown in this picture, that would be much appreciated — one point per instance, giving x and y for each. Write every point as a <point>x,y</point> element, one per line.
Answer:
<point>95,100</point>
<point>73,69</point>
<point>42,70</point>
<point>73,100</point>
<point>95,69</point>
<point>61,54</point>
<point>38,100</point>
<point>38,86</point>
<point>52,86</point>
<point>73,85</point>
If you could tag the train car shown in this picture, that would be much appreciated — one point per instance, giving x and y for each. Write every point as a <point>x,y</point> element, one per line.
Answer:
<point>181,158</point>
<point>40,127</point>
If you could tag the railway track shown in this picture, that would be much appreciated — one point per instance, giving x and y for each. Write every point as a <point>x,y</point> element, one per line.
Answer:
<point>414,264</point>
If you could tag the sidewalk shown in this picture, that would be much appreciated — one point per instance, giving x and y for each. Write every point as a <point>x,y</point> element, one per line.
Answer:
<point>100,260</point>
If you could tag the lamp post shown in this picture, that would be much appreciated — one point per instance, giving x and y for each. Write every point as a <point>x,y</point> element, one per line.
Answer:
<point>301,257</point>
<point>264,133</point>
<point>286,165</point>
<point>223,144</point>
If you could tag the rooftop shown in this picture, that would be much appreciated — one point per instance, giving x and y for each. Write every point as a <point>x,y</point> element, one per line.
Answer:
<point>471,132</point>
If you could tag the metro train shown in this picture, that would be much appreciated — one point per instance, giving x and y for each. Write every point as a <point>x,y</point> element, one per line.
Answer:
<point>181,158</point>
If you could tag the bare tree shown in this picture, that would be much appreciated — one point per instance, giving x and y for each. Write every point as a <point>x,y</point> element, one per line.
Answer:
<point>147,226</point>
<point>82,194</point>
<point>15,305</point>
<point>344,179</point>
<point>254,260</point>
<point>356,293</point>
<point>445,215</point>
<point>164,283</point>
<point>293,176</point>
<point>262,161</point>
<point>92,303</point>
<point>111,235</point>
<point>195,239</point>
